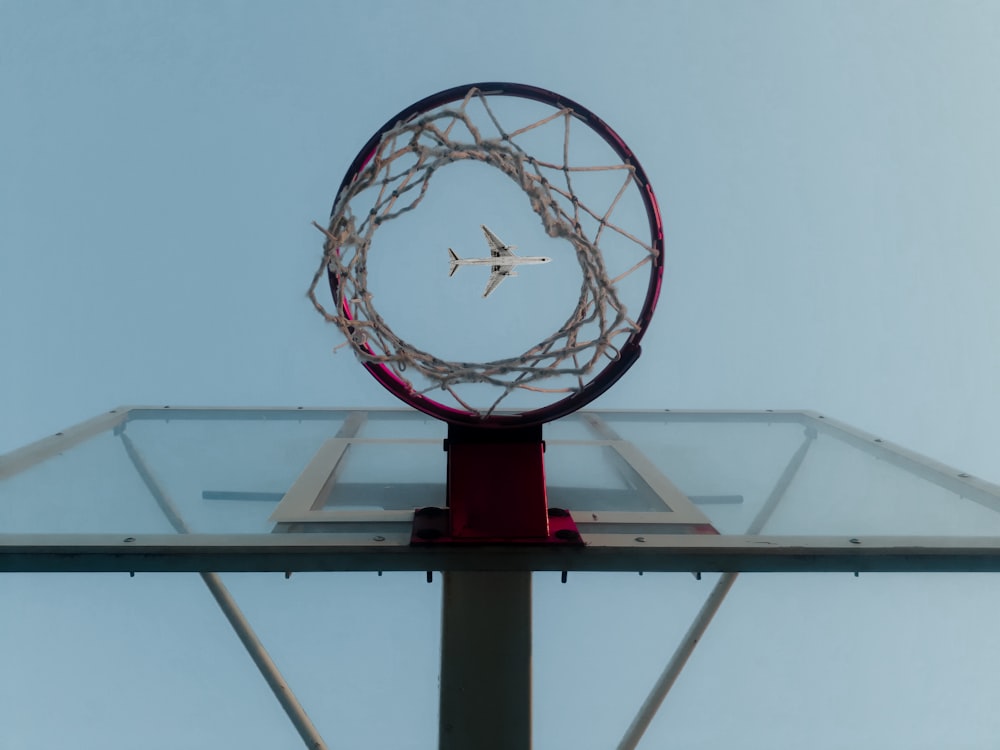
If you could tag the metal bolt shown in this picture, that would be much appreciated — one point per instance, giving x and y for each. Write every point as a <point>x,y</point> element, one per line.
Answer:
<point>129,539</point>
<point>430,512</point>
<point>640,538</point>
<point>963,475</point>
<point>854,541</point>
<point>379,538</point>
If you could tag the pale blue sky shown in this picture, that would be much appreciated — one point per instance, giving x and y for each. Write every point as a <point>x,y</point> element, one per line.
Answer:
<point>828,173</point>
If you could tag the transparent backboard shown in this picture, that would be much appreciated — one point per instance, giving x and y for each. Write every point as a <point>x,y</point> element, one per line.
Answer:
<point>795,657</point>
<point>325,489</point>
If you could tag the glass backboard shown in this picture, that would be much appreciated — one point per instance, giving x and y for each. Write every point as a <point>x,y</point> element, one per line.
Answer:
<point>225,489</point>
<point>801,650</point>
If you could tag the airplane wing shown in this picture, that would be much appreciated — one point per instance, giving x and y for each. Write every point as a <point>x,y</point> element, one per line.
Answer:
<point>498,248</point>
<point>496,276</point>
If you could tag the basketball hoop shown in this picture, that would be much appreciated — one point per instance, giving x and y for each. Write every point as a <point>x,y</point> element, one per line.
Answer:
<point>614,247</point>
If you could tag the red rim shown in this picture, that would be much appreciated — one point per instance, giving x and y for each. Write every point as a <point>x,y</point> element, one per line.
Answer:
<point>628,353</point>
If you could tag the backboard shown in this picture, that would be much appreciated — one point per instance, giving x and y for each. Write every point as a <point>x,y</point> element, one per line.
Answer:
<point>286,489</point>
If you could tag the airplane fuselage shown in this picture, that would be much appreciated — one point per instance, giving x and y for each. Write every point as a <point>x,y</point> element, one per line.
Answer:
<point>520,260</point>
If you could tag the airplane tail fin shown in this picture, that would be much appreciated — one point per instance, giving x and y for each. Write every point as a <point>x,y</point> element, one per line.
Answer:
<point>454,261</point>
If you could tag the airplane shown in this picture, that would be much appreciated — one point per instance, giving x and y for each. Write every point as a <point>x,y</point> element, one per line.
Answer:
<point>501,261</point>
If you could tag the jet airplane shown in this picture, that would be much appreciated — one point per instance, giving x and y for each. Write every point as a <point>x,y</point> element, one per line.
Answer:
<point>502,261</point>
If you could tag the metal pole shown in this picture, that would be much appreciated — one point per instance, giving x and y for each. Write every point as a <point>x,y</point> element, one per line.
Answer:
<point>486,661</point>
<point>666,680</point>
<point>718,594</point>
<point>268,669</point>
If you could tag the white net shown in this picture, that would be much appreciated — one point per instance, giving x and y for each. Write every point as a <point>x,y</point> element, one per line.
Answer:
<point>592,211</point>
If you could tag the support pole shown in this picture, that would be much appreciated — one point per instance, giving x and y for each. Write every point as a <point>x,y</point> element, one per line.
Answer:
<point>681,655</point>
<point>268,669</point>
<point>241,626</point>
<point>704,617</point>
<point>486,661</point>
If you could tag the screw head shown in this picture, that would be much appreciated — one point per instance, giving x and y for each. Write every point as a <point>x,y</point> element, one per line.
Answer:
<point>430,512</point>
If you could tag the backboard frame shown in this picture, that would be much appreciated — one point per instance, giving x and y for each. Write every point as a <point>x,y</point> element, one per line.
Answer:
<point>388,548</point>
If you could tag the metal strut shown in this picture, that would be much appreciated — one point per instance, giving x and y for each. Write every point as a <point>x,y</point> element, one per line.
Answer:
<point>712,603</point>
<point>268,669</point>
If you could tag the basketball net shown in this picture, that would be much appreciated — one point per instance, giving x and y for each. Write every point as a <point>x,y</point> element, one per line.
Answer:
<point>396,179</point>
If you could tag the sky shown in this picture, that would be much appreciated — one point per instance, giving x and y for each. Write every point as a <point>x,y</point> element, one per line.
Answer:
<point>828,174</point>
